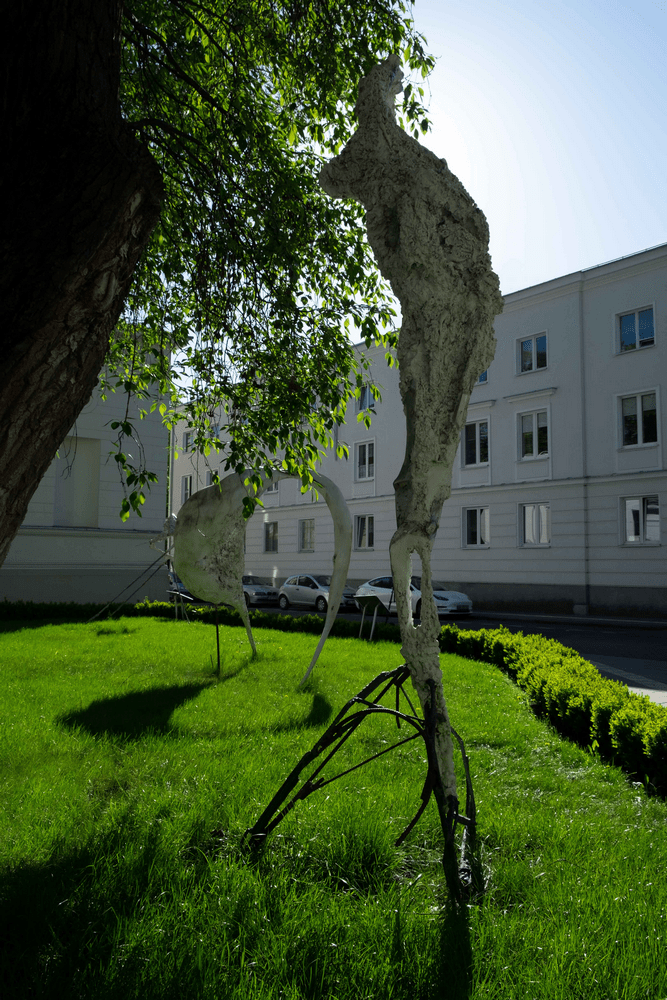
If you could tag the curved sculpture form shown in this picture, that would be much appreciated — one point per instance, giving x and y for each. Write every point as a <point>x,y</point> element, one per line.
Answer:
<point>431,241</point>
<point>208,547</point>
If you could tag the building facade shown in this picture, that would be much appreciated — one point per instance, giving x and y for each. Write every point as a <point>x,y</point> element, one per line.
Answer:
<point>559,489</point>
<point>73,545</point>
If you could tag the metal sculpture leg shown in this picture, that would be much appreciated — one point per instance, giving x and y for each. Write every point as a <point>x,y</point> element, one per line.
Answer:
<point>361,707</point>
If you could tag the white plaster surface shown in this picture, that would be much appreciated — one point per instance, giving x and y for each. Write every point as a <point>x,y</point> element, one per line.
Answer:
<point>431,242</point>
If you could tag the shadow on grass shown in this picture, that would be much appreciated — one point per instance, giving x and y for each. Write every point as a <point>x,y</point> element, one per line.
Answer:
<point>320,712</point>
<point>135,714</point>
<point>100,923</point>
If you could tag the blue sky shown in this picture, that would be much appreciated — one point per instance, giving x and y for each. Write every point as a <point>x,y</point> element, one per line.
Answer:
<point>553,117</point>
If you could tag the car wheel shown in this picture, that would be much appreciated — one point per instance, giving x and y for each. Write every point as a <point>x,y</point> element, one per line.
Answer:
<point>247,600</point>
<point>283,602</point>
<point>418,610</point>
<point>320,604</point>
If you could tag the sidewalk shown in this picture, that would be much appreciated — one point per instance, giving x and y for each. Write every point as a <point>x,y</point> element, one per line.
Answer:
<point>623,668</point>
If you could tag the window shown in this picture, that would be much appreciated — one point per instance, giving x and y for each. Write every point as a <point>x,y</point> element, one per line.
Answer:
<point>365,460</point>
<point>365,398</point>
<point>364,531</point>
<point>187,441</point>
<point>532,354</point>
<point>533,434</point>
<point>307,535</point>
<point>635,329</point>
<point>209,478</point>
<point>476,527</point>
<point>535,524</point>
<point>270,536</point>
<point>483,378</point>
<point>272,487</point>
<point>642,520</point>
<point>186,488</point>
<point>639,419</point>
<point>476,443</point>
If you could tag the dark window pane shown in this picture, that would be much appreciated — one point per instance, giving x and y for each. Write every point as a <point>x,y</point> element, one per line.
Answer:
<point>628,336</point>
<point>470,444</point>
<point>652,519</point>
<point>629,408</point>
<point>527,435</point>
<point>483,377</point>
<point>527,355</point>
<point>649,418</point>
<point>371,532</point>
<point>541,352</point>
<point>484,442</point>
<point>645,327</point>
<point>471,527</point>
<point>542,434</point>
<point>371,460</point>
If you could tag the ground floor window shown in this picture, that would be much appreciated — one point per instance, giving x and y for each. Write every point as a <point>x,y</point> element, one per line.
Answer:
<point>364,531</point>
<point>642,520</point>
<point>476,527</point>
<point>307,535</point>
<point>535,524</point>
<point>270,536</point>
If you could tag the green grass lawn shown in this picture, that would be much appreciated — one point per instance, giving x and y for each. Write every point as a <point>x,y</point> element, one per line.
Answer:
<point>128,776</point>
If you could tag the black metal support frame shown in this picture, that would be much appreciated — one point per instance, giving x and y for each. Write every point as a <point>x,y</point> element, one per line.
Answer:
<point>358,708</point>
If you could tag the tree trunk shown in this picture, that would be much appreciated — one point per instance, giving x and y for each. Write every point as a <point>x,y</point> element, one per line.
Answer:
<point>80,197</point>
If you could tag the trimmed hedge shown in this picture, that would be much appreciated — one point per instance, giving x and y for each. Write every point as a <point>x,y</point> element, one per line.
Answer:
<point>622,727</point>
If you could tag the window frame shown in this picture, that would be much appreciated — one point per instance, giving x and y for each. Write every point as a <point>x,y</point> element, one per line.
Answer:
<point>535,456</point>
<point>368,535</point>
<point>187,441</point>
<point>303,521</point>
<point>638,397</point>
<point>481,510</point>
<point>271,536</point>
<point>369,443</point>
<point>618,328</point>
<point>186,488</point>
<point>538,506</point>
<point>478,463</point>
<point>642,541</point>
<point>534,353</point>
<point>272,487</point>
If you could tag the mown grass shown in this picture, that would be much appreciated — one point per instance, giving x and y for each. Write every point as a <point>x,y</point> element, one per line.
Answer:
<point>128,776</point>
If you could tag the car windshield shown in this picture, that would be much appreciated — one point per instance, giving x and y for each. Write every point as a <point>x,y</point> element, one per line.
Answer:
<point>255,581</point>
<point>324,581</point>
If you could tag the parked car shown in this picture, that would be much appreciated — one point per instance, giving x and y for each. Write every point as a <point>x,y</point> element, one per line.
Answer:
<point>258,591</point>
<point>448,602</point>
<point>313,591</point>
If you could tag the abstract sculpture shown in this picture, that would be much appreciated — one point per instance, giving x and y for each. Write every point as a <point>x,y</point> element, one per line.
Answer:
<point>431,242</point>
<point>208,546</point>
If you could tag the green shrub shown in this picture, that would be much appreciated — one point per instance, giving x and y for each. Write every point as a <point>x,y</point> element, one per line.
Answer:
<point>625,728</point>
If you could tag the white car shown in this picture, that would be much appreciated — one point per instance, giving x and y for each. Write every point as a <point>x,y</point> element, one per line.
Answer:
<point>313,591</point>
<point>258,591</point>
<point>448,602</point>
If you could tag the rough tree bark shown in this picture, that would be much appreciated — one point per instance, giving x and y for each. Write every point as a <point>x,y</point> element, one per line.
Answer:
<point>431,241</point>
<point>80,197</point>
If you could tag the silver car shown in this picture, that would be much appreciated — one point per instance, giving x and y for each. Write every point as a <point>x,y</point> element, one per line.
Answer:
<point>258,591</point>
<point>313,591</point>
<point>447,602</point>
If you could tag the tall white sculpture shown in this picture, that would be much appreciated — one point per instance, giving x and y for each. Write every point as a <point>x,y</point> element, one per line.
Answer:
<point>431,242</point>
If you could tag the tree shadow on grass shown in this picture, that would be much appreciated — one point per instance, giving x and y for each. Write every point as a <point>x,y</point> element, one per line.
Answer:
<point>133,715</point>
<point>320,712</point>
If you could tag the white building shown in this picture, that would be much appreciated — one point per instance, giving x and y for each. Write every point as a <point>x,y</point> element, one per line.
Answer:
<point>73,545</point>
<point>559,489</point>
